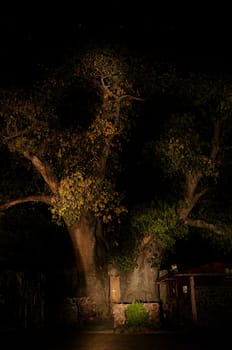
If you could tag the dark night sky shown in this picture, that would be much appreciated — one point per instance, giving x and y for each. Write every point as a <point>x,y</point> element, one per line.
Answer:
<point>200,41</point>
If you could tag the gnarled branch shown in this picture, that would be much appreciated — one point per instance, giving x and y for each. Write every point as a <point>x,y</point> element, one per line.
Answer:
<point>203,224</point>
<point>11,203</point>
<point>45,172</point>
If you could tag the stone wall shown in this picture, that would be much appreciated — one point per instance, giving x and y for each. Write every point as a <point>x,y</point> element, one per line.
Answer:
<point>87,309</point>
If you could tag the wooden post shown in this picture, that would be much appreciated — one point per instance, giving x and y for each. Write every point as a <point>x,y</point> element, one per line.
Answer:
<point>193,298</point>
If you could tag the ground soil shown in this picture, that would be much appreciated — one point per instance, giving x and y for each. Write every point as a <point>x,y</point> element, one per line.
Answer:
<point>99,338</point>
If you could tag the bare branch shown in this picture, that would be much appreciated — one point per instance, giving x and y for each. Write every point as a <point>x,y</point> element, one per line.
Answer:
<point>130,97</point>
<point>45,172</point>
<point>117,101</point>
<point>215,139</point>
<point>203,224</point>
<point>17,134</point>
<point>120,98</point>
<point>42,199</point>
<point>190,195</point>
<point>184,212</point>
<point>106,89</point>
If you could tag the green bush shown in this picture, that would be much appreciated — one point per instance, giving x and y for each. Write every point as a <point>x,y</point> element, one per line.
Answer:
<point>136,315</point>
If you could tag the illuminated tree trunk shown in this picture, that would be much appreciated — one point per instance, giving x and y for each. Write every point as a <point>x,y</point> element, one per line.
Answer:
<point>93,280</point>
<point>140,283</point>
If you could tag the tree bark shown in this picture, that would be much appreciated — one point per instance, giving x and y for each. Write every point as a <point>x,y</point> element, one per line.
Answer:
<point>140,283</point>
<point>92,279</point>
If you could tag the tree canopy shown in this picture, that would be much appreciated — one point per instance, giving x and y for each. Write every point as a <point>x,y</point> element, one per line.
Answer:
<point>193,152</point>
<point>68,131</point>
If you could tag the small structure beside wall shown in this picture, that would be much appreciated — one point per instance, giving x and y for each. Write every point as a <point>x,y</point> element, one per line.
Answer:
<point>201,295</point>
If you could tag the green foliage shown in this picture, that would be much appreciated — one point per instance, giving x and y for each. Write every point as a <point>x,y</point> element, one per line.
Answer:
<point>123,246</point>
<point>79,194</point>
<point>136,315</point>
<point>24,120</point>
<point>126,261</point>
<point>183,149</point>
<point>158,220</point>
<point>96,63</point>
<point>193,150</point>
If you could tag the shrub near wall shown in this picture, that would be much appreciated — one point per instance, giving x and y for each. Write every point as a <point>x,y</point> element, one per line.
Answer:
<point>136,317</point>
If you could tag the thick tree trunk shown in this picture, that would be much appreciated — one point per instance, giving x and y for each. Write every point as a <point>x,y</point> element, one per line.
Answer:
<point>93,280</point>
<point>139,284</point>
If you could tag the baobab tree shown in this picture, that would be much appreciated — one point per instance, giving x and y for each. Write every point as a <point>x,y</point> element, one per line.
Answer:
<point>193,151</point>
<point>74,163</point>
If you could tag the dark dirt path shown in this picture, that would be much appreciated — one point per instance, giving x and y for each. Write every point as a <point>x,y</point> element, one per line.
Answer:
<point>100,340</point>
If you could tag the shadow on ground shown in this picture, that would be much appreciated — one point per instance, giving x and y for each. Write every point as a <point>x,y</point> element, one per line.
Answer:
<point>103,339</point>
